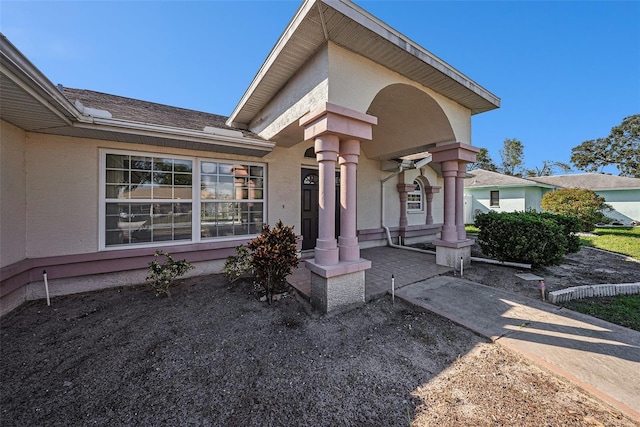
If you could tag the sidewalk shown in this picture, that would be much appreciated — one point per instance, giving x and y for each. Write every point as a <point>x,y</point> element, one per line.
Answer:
<point>598,356</point>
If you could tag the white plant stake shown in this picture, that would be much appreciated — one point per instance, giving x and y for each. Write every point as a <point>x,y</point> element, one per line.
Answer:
<point>46,286</point>
<point>461,267</point>
<point>393,290</point>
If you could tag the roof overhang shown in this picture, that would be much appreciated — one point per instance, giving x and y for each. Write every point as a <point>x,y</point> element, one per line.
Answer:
<point>342,22</point>
<point>33,103</point>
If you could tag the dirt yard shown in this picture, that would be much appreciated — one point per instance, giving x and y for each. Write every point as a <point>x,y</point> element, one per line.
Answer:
<point>587,267</point>
<point>213,355</point>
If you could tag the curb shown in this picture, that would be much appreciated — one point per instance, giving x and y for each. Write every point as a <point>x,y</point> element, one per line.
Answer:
<point>590,291</point>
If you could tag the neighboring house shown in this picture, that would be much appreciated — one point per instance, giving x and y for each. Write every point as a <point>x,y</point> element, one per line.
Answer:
<point>485,191</point>
<point>620,192</point>
<point>348,130</point>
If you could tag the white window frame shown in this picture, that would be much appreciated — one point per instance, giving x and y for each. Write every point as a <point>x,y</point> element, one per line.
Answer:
<point>420,199</point>
<point>195,200</point>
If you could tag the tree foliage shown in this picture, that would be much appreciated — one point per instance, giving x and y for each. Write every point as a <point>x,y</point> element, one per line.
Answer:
<point>512,156</point>
<point>548,168</point>
<point>576,202</point>
<point>621,148</point>
<point>483,161</point>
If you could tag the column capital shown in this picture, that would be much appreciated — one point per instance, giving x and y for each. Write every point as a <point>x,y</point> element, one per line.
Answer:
<point>449,168</point>
<point>405,188</point>
<point>458,151</point>
<point>327,147</point>
<point>349,150</point>
<point>431,190</point>
<point>333,119</point>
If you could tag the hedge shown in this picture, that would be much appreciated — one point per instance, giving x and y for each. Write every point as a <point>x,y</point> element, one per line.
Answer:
<point>528,237</point>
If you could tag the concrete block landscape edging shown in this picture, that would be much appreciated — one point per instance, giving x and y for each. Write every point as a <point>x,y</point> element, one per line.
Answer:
<point>590,291</point>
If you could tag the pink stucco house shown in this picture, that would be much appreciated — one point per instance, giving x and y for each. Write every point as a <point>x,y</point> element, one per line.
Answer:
<point>348,130</point>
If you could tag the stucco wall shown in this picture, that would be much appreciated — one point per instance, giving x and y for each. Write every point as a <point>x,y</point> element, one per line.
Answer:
<point>304,91</point>
<point>626,204</point>
<point>62,200</point>
<point>13,223</point>
<point>62,196</point>
<point>511,199</point>
<point>437,212</point>
<point>284,192</point>
<point>533,198</point>
<point>354,81</point>
<point>62,182</point>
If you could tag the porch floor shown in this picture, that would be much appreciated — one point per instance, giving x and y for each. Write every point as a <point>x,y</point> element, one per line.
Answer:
<point>406,266</point>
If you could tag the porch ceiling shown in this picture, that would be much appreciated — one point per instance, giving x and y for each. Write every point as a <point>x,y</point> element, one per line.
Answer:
<point>351,27</point>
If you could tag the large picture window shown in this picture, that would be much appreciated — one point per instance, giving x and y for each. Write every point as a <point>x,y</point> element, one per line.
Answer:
<point>150,200</point>
<point>231,199</point>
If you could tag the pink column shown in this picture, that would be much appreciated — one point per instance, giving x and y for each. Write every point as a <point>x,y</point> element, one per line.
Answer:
<point>403,190</point>
<point>462,171</point>
<point>449,172</point>
<point>326,148</point>
<point>348,240</point>
<point>429,192</point>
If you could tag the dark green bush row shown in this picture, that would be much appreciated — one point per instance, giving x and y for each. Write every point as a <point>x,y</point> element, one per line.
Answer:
<point>528,237</point>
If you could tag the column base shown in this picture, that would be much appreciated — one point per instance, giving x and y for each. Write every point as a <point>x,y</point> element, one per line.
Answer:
<point>337,287</point>
<point>449,254</point>
<point>349,249</point>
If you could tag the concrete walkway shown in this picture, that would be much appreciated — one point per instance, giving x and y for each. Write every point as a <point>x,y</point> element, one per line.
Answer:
<point>600,357</point>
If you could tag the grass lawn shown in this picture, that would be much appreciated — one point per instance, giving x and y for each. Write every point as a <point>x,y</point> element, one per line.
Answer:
<point>622,310</point>
<point>622,240</point>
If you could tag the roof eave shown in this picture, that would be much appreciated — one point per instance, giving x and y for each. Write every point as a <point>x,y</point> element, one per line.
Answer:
<point>483,100</point>
<point>28,77</point>
<point>228,144</point>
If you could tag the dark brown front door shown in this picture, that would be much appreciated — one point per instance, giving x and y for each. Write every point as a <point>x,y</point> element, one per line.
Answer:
<point>309,219</point>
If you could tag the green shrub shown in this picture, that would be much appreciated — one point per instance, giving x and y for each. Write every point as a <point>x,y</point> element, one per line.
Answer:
<point>526,237</point>
<point>576,202</point>
<point>570,226</point>
<point>161,276</point>
<point>274,254</point>
<point>238,265</point>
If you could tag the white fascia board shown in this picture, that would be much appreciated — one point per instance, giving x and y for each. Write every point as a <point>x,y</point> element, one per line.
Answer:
<point>302,12</point>
<point>125,126</point>
<point>33,78</point>
<point>364,18</point>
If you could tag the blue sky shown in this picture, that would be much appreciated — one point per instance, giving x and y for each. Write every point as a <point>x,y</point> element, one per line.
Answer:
<point>565,71</point>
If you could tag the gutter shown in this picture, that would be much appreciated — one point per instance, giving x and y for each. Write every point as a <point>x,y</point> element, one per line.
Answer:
<point>124,126</point>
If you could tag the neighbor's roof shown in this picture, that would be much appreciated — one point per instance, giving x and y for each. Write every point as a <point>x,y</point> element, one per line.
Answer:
<point>342,22</point>
<point>591,181</point>
<point>484,178</point>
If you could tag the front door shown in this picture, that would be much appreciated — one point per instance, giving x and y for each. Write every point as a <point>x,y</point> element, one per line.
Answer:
<point>310,207</point>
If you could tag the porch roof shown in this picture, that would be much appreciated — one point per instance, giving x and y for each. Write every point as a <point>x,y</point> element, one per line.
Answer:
<point>346,24</point>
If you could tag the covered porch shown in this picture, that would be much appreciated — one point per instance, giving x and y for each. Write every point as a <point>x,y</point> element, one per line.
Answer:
<point>361,92</point>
